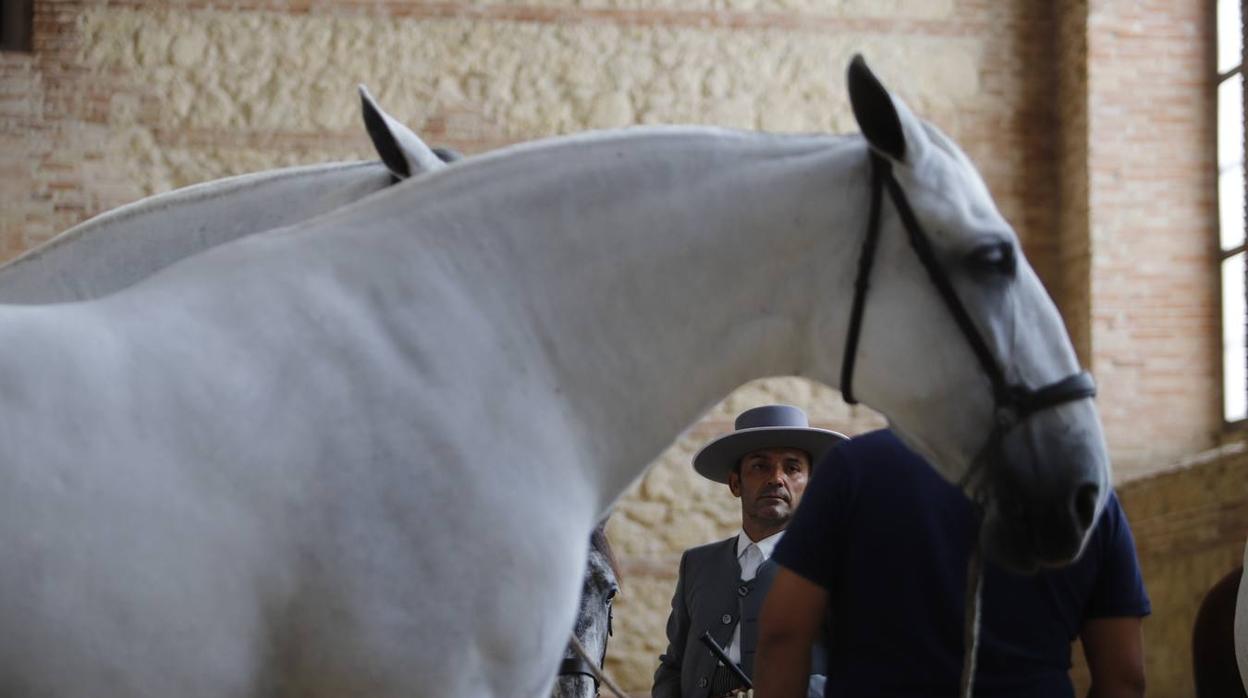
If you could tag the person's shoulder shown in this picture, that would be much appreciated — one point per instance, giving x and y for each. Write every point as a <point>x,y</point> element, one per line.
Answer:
<point>1111,538</point>
<point>1112,523</point>
<point>709,550</point>
<point>873,448</point>
<point>880,439</point>
<point>1111,516</point>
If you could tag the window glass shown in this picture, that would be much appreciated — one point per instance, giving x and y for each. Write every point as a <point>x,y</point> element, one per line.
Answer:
<point>1231,121</point>
<point>1231,207</point>
<point>1234,355</point>
<point>1230,36</point>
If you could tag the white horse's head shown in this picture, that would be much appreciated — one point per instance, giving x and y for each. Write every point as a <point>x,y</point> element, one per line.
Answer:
<point>1044,476</point>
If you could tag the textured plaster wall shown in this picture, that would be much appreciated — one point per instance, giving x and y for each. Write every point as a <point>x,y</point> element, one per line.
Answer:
<point>123,99</point>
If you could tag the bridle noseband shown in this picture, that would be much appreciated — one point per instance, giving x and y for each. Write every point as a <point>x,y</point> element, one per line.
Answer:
<point>575,666</point>
<point>579,666</point>
<point>1013,402</point>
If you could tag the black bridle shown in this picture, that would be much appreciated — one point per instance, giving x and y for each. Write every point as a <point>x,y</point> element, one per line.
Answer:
<point>576,666</point>
<point>1013,402</point>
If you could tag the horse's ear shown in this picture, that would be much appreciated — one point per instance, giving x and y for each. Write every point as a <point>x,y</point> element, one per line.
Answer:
<point>888,126</point>
<point>403,152</point>
<point>448,155</point>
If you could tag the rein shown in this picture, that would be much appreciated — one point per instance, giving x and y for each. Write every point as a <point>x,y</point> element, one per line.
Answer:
<point>581,664</point>
<point>971,618</point>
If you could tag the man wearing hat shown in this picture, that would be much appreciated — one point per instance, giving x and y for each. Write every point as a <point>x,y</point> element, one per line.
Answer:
<point>766,462</point>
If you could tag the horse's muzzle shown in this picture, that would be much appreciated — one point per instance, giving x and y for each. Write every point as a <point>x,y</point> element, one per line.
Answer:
<point>1041,498</point>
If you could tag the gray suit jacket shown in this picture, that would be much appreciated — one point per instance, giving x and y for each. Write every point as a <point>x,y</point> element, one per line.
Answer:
<point>710,596</point>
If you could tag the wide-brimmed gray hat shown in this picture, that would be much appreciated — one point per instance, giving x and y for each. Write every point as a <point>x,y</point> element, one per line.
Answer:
<point>769,426</point>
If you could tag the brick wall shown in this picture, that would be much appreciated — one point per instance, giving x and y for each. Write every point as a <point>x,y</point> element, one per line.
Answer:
<point>1152,306</point>
<point>1086,118</point>
<point>1072,287</point>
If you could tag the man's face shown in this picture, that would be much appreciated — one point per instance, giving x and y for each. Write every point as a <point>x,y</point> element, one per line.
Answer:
<point>770,483</point>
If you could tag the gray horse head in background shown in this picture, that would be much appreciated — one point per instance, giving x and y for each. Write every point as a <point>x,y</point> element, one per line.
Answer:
<point>593,620</point>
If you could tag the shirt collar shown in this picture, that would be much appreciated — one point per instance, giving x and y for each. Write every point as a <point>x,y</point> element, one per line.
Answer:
<point>765,546</point>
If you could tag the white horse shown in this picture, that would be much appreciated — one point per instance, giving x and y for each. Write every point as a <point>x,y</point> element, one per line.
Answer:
<point>1241,624</point>
<point>116,249</point>
<point>362,455</point>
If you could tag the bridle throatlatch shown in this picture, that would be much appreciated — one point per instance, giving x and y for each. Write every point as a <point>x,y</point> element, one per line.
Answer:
<point>1012,402</point>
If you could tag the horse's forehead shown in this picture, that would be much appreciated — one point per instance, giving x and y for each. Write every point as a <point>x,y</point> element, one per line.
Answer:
<point>953,195</point>
<point>600,567</point>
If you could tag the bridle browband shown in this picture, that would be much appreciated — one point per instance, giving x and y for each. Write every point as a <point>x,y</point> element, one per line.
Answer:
<point>1013,402</point>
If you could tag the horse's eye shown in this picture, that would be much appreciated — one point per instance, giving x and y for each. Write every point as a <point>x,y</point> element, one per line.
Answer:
<point>995,257</point>
<point>611,593</point>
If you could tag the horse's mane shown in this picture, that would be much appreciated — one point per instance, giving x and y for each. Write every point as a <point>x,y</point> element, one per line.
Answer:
<point>520,162</point>
<point>598,541</point>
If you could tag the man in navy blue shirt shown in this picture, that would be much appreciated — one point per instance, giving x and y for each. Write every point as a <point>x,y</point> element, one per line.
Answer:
<point>883,542</point>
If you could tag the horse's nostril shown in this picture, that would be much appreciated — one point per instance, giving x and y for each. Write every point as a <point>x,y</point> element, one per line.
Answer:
<point>1085,505</point>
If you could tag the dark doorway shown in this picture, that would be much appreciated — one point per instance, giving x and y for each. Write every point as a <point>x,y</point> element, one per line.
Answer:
<point>16,18</point>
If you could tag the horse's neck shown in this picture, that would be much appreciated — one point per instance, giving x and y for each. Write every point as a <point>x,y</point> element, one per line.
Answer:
<point>665,272</point>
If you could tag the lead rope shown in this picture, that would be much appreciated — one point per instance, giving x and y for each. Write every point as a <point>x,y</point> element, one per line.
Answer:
<point>970,625</point>
<point>593,668</point>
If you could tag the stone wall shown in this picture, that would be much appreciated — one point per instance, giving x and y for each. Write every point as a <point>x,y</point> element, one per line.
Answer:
<point>1086,119</point>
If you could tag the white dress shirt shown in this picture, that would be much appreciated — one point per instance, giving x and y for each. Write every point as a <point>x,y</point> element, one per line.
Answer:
<point>749,556</point>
